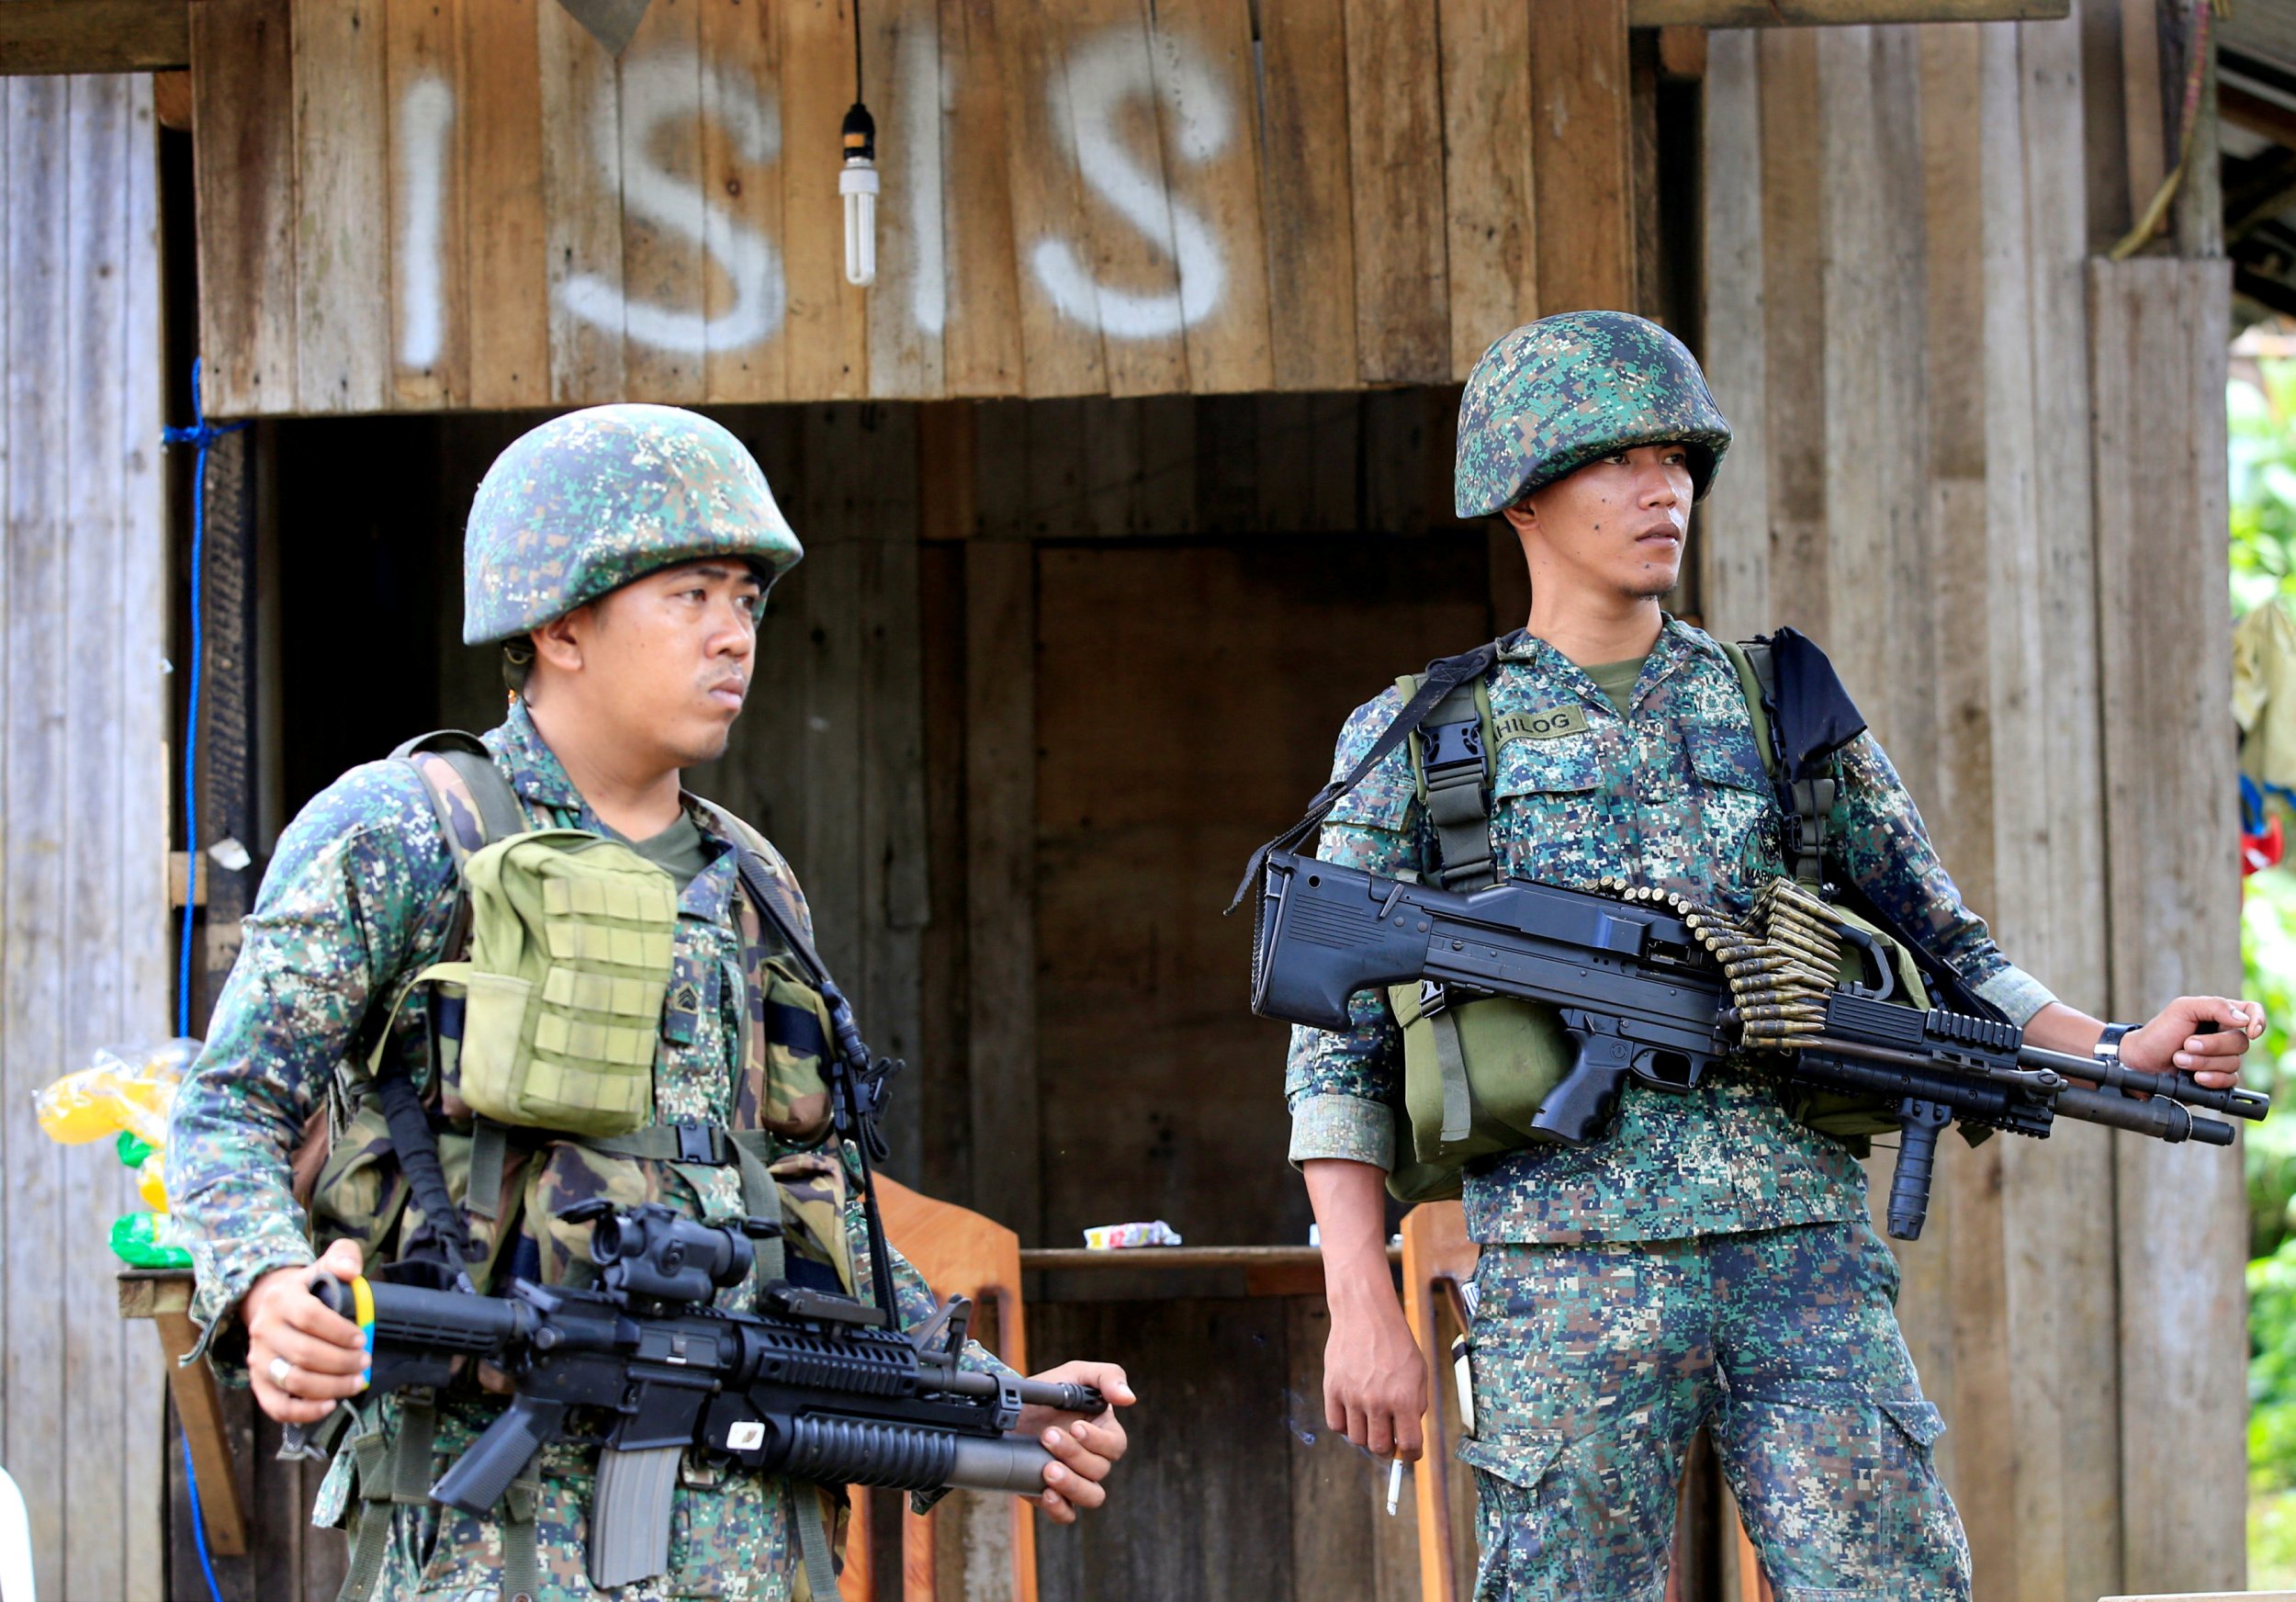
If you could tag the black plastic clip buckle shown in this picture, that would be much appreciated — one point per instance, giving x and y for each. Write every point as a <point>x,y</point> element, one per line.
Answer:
<point>696,1145</point>
<point>1453,745</point>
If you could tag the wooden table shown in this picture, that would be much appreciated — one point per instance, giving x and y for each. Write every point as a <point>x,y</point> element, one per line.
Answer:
<point>163,1296</point>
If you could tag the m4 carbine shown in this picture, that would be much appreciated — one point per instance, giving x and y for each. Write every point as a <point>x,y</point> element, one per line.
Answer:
<point>1652,988</point>
<point>814,1385</point>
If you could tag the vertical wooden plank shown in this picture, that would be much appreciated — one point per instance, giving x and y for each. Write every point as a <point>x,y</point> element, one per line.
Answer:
<point>37,771</point>
<point>908,308</point>
<point>1307,195</point>
<point>2147,123</point>
<point>1852,532</point>
<point>898,903</point>
<point>1489,199</point>
<point>138,831</point>
<point>1205,101</point>
<point>1121,271</point>
<point>982,337</point>
<point>1059,345</point>
<point>1734,523</point>
<point>342,197</point>
<point>1582,145</point>
<point>2160,330</point>
<point>663,204</point>
<point>1901,402</point>
<point>581,190</point>
<point>744,285</point>
<point>1793,226</point>
<point>244,173</point>
<point>94,1448</point>
<point>2059,1214</point>
<point>828,832</point>
<point>425,92</point>
<point>1000,856</point>
<point>1395,158</point>
<point>828,336</point>
<point>2104,105</point>
<point>505,269</point>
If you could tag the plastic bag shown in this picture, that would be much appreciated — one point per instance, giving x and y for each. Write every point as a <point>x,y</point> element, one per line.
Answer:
<point>124,1088</point>
<point>147,1240</point>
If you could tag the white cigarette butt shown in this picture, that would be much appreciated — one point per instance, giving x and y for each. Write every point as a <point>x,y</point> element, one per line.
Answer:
<point>1394,1485</point>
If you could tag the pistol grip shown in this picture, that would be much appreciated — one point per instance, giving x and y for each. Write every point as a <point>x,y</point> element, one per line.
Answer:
<point>1579,1110</point>
<point>484,1471</point>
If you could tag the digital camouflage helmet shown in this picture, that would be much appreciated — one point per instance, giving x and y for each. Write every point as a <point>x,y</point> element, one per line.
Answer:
<point>588,502</point>
<point>1566,391</point>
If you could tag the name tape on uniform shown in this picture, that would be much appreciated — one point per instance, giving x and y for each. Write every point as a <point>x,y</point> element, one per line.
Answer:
<point>1553,723</point>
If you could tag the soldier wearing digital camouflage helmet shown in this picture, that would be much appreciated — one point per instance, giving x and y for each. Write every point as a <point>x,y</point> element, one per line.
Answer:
<point>1709,1263</point>
<point>623,555</point>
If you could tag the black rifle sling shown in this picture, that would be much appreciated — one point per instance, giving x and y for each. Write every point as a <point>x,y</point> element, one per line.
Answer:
<point>1444,675</point>
<point>850,1061</point>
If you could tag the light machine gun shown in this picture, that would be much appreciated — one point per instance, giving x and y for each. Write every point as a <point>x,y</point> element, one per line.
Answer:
<point>1653,988</point>
<point>816,1386</point>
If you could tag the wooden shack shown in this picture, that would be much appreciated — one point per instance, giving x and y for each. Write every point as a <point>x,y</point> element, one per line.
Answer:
<point>1126,479</point>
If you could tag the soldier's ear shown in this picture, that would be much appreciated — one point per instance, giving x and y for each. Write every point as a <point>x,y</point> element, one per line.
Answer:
<point>558,644</point>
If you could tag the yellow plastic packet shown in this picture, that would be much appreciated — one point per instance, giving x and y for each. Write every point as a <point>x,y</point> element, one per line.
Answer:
<point>130,1087</point>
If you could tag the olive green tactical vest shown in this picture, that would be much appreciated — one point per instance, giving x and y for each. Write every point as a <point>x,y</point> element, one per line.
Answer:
<point>1477,1071</point>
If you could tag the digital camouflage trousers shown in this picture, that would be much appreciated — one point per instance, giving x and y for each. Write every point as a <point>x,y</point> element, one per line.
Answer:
<point>1595,1366</point>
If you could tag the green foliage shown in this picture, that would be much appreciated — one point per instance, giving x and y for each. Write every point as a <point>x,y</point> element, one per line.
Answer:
<point>2262,436</point>
<point>2262,419</point>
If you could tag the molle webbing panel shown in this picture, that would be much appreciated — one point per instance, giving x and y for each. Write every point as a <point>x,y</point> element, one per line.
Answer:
<point>571,953</point>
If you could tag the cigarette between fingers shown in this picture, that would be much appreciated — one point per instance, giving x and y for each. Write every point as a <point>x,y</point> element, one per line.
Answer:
<point>1394,1485</point>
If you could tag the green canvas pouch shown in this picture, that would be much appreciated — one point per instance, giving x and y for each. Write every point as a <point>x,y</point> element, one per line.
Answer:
<point>571,947</point>
<point>1504,1056</point>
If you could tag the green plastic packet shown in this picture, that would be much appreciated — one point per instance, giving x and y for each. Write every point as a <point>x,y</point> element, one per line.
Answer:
<point>146,1240</point>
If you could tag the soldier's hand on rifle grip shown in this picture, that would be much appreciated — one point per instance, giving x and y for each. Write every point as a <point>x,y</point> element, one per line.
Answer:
<point>301,1357</point>
<point>1083,1447</point>
<point>2169,1043</point>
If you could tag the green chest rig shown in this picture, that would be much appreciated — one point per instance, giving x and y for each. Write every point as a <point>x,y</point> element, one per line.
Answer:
<point>544,1025</point>
<point>1476,1070</point>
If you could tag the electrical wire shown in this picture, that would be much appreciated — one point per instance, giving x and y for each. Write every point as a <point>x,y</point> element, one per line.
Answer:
<point>203,434</point>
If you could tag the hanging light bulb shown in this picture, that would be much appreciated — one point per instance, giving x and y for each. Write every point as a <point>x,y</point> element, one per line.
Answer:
<point>857,184</point>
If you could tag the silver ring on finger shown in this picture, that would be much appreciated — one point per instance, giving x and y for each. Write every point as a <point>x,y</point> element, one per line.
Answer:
<point>279,1369</point>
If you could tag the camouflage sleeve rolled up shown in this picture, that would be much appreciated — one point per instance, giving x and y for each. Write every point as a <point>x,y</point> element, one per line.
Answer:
<point>1888,852</point>
<point>356,895</point>
<point>1339,1083</point>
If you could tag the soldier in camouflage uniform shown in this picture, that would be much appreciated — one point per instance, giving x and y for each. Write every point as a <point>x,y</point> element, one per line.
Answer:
<point>626,552</point>
<point>1709,1262</point>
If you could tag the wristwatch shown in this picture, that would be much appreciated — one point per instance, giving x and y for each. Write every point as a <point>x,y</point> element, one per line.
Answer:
<point>2109,1043</point>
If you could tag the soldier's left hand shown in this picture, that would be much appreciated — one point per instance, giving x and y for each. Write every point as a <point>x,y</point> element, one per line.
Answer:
<point>2169,1043</point>
<point>1085,1447</point>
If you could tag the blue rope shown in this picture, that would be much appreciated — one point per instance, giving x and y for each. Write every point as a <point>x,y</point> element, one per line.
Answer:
<point>203,434</point>
<point>199,1524</point>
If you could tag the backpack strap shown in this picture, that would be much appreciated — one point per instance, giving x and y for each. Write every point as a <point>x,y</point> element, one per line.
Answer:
<point>1442,677</point>
<point>1802,717</point>
<point>1453,753</point>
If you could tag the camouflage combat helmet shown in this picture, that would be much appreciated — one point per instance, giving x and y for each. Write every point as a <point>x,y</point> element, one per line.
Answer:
<point>1566,391</point>
<point>590,501</point>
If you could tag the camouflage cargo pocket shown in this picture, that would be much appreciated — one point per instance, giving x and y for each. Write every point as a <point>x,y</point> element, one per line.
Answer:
<point>360,1191</point>
<point>788,1055</point>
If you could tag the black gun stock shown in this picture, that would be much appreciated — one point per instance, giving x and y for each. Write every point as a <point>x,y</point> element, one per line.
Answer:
<point>1641,1000</point>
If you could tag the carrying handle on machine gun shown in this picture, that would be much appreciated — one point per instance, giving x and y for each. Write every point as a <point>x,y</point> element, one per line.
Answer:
<point>859,1077</point>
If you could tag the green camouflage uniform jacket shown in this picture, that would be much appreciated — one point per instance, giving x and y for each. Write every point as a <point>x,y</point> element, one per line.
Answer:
<point>357,902</point>
<point>1672,796</point>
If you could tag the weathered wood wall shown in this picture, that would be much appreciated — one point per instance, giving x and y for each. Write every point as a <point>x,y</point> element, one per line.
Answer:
<point>2028,607</point>
<point>468,203</point>
<point>84,920</point>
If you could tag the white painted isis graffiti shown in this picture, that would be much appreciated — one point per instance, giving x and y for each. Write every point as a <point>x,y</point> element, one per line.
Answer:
<point>1103,77</point>
<point>1106,76</point>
